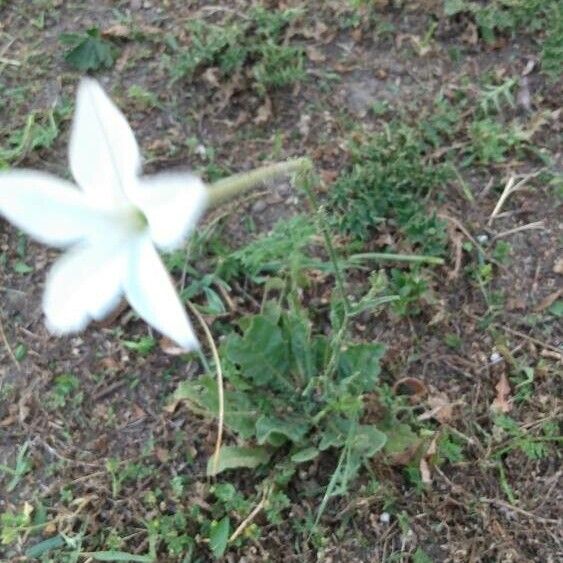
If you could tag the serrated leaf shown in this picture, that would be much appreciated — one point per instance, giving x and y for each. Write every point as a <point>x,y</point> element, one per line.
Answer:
<point>91,52</point>
<point>219,537</point>
<point>362,360</point>
<point>201,395</point>
<point>420,556</point>
<point>297,329</point>
<point>276,431</point>
<point>262,354</point>
<point>22,268</point>
<point>453,7</point>
<point>557,308</point>
<point>368,440</point>
<point>233,457</point>
<point>119,556</point>
<point>35,551</point>
<point>402,443</point>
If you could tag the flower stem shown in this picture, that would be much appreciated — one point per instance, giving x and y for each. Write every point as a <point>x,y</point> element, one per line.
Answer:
<point>234,186</point>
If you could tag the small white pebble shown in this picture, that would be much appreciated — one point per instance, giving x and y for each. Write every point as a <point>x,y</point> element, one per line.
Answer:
<point>495,358</point>
<point>385,517</point>
<point>482,239</point>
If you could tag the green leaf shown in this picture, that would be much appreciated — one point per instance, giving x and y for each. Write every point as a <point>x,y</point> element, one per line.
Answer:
<point>302,456</point>
<point>22,268</point>
<point>261,354</point>
<point>20,352</point>
<point>276,431</point>
<point>557,308</point>
<point>368,440</point>
<point>144,346</point>
<point>400,438</point>
<point>297,330</point>
<point>37,550</point>
<point>90,52</point>
<point>453,7</point>
<point>420,556</point>
<point>362,360</point>
<point>201,397</point>
<point>219,537</point>
<point>233,457</point>
<point>119,556</point>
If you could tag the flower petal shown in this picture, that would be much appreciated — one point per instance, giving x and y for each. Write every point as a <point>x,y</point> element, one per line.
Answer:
<point>85,283</point>
<point>50,210</point>
<point>172,203</point>
<point>104,155</point>
<point>149,289</point>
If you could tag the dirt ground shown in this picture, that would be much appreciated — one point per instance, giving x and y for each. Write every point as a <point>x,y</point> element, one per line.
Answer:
<point>483,506</point>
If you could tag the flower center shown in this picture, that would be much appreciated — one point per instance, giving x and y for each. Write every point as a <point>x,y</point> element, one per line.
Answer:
<point>137,219</point>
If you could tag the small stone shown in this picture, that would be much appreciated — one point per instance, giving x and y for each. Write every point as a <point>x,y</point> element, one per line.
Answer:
<point>385,517</point>
<point>259,206</point>
<point>495,358</point>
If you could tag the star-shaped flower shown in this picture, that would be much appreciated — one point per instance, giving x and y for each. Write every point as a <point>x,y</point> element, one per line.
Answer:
<point>110,225</point>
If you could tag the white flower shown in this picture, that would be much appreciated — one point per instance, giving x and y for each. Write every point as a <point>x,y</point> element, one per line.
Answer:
<point>110,225</point>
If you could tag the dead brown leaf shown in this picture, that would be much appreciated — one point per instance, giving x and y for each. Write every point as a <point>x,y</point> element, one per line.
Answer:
<point>315,55</point>
<point>264,112</point>
<point>162,454</point>
<point>546,302</point>
<point>501,402</point>
<point>170,347</point>
<point>441,408</point>
<point>328,176</point>
<point>412,387</point>
<point>118,31</point>
<point>211,76</point>
<point>425,462</point>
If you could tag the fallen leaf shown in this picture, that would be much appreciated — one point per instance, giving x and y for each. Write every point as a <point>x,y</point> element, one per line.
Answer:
<point>264,112</point>
<point>546,302</point>
<point>470,35</point>
<point>170,408</point>
<point>425,462</point>
<point>49,529</point>
<point>109,363</point>
<point>211,76</point>
<point>170,347</point>
<point>501,403</point>
<point>328,176</point>
<point>441,409</point>
<point>8,421</point>
<point>162,454</point>
<point>119,31</point>
<point>524,97</point>
<point>412,387</point>
<point>138,413</point>
<point>315,55</point>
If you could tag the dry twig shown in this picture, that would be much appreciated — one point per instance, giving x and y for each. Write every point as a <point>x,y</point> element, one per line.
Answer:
<point>509,189</point>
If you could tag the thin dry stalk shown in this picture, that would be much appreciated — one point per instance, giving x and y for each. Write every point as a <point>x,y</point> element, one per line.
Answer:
<point>244,524</point>
<point>508,190</point>
<point>220,389</point>
<point>7,344</point>
<point>537,225</point>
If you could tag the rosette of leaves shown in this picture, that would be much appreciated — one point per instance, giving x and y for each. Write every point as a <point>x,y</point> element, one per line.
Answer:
<point>291,394</point>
